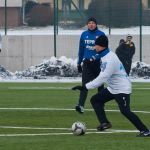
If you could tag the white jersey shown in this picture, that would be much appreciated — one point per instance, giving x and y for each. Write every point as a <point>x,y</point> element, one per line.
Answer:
<point>113,74</point>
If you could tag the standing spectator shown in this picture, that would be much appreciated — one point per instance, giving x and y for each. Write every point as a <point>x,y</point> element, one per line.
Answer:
<point>125,52</point>
<point>89,67</point>
<point>0,43</point>
<point>118,89</point>
<point>121,41</point>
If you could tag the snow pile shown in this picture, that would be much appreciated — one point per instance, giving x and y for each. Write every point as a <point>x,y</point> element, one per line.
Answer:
<point>140,70</point>
<point>5,73</point>
<point>61,67</point>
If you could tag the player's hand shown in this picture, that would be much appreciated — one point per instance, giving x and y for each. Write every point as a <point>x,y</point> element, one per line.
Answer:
<point>86,61</point>
<point>93,58</point>
<point>80,88</point>
<point>79,68</point>
<point>89,61</point>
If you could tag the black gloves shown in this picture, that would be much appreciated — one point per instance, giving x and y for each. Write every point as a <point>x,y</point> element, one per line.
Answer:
<point>91,60</point>
<point>86,61</point>
<point>80,88</point>
<point>79,68</point>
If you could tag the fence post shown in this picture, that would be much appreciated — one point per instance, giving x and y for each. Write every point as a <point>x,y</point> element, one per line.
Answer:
<point>109,5</point>
<point>140,22</point>
<point>5,17</point>
<point>57,16</point>
<point>55,30</point>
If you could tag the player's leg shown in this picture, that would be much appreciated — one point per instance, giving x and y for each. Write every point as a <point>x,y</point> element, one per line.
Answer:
<point>98,102</point>
<point>96,70</point>
<point>100,88</point>
<point>86,77</point>
<point>123,101</point>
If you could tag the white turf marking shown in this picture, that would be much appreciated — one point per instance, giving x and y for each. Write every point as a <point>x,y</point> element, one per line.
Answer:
<point>57,88</point>
<point>36,134</point>
<point>40,88</point>
<point>34,128</point>
<point>63,109</point>
<point>66,129</point>
<point>89,131</point>
<point>141,88</point>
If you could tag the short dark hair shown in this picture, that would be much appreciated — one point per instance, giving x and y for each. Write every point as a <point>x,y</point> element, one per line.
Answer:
<point>121,41</point>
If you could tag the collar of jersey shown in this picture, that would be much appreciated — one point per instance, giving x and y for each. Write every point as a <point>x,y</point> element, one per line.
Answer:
<point>104,52</point>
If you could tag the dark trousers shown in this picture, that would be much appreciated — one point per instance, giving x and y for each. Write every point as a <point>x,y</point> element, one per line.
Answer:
<point>123,100</point>
<point>90,70</point>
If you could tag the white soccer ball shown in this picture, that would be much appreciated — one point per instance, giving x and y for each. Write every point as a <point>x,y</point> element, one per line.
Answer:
<point>78,128</point>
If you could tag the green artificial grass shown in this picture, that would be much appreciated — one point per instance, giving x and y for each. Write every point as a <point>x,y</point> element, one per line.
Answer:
<point>28,118</point>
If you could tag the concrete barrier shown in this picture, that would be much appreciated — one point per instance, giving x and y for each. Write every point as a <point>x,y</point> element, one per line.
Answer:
<point>21,52</point>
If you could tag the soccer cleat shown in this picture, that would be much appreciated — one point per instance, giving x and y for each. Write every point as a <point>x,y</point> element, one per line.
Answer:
<point>104,126</point>
<point>144,134</point>
<point>79,109</point>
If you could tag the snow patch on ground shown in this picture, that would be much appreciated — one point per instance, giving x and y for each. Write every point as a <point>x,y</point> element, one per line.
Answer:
<point>140,70</point>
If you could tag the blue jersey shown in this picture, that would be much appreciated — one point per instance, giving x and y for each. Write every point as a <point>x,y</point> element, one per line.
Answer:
<point>87,43</point>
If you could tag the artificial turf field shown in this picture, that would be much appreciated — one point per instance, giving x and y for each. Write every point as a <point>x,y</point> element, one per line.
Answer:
<point>38,116</point>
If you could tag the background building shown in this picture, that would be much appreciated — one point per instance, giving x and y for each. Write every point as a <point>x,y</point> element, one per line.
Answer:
<point>14,16</point>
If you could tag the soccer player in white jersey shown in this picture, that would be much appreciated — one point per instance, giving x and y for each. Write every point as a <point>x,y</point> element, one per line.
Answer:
<point>119,88</point>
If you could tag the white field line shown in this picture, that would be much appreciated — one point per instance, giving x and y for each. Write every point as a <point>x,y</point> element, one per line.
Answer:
<point>141,88</point>
<point>35,134</point>
<point>47,134</point>
<point>66,129</point>
<point>92,131</point>
<point>64,109</point>
<point>40,88</point>
<point>36,128</point>
<point>57,88</point>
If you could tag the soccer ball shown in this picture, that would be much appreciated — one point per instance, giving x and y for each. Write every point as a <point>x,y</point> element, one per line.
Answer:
<point>78,128</point>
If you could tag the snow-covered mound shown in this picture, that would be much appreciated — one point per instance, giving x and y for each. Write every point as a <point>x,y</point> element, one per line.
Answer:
<point>62,67</point>
<point>140,70</point>
<point>5,73</point>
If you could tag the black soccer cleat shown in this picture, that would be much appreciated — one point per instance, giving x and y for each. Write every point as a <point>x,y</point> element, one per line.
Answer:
<point>79,109</point>
<point>104,126</point>
<point>144,134</point>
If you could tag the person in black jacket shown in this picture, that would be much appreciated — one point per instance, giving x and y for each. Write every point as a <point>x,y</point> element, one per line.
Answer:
<point>125,52</point>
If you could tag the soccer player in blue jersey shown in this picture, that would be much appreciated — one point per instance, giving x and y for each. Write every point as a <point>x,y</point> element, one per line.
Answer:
<point>89,67</point>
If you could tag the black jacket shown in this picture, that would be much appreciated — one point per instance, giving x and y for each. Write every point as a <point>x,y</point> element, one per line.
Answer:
<point>125,52</point>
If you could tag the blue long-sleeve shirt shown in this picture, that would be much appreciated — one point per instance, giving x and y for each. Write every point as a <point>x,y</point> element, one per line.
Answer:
<point>87,43</point>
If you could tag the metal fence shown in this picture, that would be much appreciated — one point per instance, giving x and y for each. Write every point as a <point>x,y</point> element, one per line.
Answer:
<point>58,17</point>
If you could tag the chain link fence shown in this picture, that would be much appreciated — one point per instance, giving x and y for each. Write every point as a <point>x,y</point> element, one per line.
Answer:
<point>68,17</point>
<point>72,14</point>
